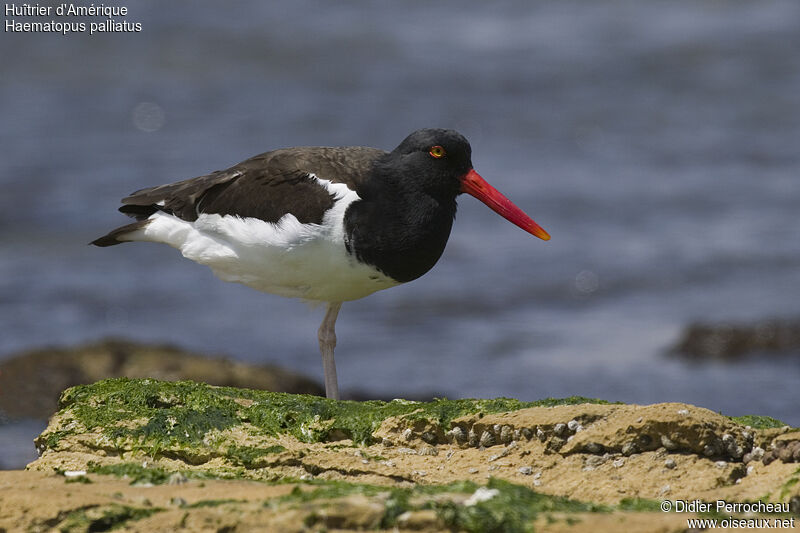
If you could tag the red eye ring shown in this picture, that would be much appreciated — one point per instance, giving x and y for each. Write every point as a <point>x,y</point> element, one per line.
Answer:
<point>437,152</point>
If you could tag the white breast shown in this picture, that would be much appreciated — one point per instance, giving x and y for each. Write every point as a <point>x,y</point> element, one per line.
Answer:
<point>287,258</point>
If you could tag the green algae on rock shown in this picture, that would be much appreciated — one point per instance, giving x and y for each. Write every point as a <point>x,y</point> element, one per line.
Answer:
<point>758,422</point>
<point>103,518</point>
<point>251,456</point>
<point>320,463</point>
<point>461,506</point>
<point>498,504</point>
<point>158,414</point>
<point>141,474</point>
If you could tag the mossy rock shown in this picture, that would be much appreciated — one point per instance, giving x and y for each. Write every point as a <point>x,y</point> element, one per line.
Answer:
<point>197,423</point>
<point>158,432</point>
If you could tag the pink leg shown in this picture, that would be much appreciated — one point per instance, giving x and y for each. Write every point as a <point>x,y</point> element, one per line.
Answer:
<point>327,342</point>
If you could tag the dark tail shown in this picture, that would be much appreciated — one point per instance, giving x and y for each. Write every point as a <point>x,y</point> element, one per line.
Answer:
<point>117,236</point>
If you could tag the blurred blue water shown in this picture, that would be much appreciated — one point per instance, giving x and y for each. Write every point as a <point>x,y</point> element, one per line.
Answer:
<point>656,141</point>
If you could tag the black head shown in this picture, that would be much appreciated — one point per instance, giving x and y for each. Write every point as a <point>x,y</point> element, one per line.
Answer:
<point>407,207</point>
<point>434,160</point>
<point>439,163</point>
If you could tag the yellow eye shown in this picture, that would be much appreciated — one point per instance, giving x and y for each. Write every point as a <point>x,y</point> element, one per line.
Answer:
<point>437,152</point>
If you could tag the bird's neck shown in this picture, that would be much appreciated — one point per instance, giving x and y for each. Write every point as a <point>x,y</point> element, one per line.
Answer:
<point>400,232</point>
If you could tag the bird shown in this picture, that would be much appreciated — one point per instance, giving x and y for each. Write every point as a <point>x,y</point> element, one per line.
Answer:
<point>322,224</point>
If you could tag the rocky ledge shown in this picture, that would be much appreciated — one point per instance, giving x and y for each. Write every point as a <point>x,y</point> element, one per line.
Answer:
<point>731,341</point>
<point>151,455</point>
<point>31,381</point>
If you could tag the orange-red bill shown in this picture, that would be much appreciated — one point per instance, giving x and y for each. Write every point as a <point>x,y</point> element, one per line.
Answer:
<point>473,184</point>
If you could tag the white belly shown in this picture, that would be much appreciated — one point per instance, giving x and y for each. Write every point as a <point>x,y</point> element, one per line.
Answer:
<point>287,258</point>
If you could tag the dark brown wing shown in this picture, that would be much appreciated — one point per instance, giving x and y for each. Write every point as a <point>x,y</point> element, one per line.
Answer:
<point>266,186</point>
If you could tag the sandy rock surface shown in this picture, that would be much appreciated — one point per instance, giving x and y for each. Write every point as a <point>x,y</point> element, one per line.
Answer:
<point>148,456</point>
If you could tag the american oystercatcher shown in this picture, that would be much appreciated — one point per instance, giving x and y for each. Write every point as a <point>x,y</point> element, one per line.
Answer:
<point>319,223</point>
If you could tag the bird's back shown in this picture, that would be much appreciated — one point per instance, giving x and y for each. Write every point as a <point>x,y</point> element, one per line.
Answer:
<point>273,222</point>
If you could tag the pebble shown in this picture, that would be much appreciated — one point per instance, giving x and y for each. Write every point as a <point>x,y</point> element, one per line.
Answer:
<point>721,464</point>
<point>593,461</point>
<point>497,456</point>
<point>786,451</point>
<point>429,437</point>
<point>178,502</point>
<point>670,463</point>
<point>736,451</point>
<point>473,437</point>
<point>177,478</point>
<point>709,450</point>
<point>559,429</point>
<point>458,434</point>
<point>487,439</point>
<point>482,494</point>
<point>668,443</point>
<point>525,470</point>
<point>574,425</point>
<point>618,463</point>
<point>540,434</point>
<point>796,452</point>
<point>629,448</point>
<point>594,447</point>
<point>407,434</point>
<point>428,450</point>
<point>407,451</point>
<point>472,470</point>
